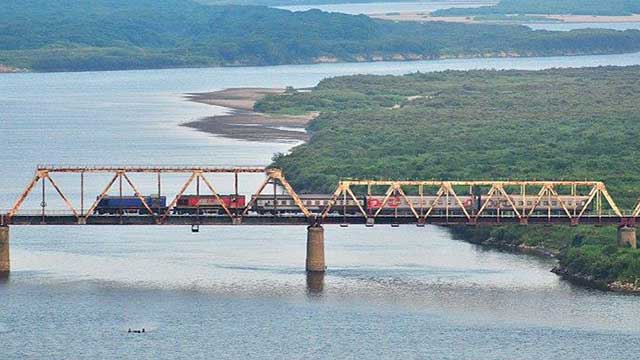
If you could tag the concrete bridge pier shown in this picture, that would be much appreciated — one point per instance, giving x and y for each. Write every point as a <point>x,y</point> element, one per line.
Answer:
<point>315,249</point>
<point>627,237</point>
<point>5,264</point>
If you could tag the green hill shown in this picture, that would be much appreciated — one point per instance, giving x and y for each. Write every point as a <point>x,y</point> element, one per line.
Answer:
<point>74,35</point>
<point>552,124</point>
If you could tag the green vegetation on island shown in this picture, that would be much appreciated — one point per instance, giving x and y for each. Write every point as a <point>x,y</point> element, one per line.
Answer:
<point>552,124</point>
<point>560,7</point>
<point>77,35</point>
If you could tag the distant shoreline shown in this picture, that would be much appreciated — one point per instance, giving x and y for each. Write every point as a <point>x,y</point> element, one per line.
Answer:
<point>242,122</point>
<point>420,16</point>
<point>10,70</point>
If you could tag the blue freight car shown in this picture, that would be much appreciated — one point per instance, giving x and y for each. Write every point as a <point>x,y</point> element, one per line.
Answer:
<point>131,204</point>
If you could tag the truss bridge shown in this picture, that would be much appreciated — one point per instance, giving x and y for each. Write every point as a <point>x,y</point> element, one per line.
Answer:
<point>190,195</point>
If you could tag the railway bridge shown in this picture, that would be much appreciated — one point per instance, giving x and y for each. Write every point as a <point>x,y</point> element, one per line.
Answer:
<point>196,201</point>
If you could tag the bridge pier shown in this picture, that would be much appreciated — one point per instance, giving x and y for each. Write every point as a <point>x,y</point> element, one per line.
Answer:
<point>5,264</point>
<point>315,249</point>
<point>627,237</point>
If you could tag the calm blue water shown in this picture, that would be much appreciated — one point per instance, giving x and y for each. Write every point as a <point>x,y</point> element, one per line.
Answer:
<point>382,7</point>
<point>231,292</point>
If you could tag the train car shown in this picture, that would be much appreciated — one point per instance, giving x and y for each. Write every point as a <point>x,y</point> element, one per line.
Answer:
<point>400,205</point>
<point>208,204</point>
<point>555,204</point>
<point>130,204</point>
<point>316,203</point>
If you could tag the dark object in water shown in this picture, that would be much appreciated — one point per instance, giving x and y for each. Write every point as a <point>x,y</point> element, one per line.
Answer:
<point>136,331</point>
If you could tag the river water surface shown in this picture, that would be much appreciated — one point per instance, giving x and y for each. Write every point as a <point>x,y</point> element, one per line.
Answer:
<point>236,292</point>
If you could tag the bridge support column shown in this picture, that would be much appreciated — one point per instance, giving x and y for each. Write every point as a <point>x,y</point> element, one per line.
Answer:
<point>315,249</point>
<point>5,265</point>
<point>627,237</point>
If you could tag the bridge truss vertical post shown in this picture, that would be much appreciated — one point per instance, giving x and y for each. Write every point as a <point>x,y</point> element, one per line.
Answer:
<point>43,202</point>
<point>81,219</point>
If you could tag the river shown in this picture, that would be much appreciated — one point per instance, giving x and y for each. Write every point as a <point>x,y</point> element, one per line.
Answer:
<point>236,292</point>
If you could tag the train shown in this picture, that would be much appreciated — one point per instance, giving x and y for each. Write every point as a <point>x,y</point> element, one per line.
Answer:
<point>317,203</point>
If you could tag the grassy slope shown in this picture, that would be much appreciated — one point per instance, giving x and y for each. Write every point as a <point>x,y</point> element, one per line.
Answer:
<point>60,35</point>
<point>552,124</point>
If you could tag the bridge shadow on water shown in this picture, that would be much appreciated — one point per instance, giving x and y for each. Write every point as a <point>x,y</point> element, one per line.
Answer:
<point>4,277</point>
<point>315,283</point>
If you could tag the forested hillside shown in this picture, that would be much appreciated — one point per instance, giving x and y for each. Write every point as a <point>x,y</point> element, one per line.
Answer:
<point>553,124</point>
<point>62,35</point>
<point>565,7</point>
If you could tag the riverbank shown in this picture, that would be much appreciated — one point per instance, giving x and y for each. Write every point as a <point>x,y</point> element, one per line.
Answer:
<point>4,69</point>
<point>245,124</point>
<point>593,282</point>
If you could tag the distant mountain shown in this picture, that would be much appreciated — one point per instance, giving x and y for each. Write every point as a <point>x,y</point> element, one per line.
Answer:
<point>563,7</point>
<point>77,35</point>
<point>311,2</point>
<point>289,2</point>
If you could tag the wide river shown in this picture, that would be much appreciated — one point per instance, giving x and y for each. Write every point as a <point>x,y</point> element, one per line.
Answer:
<point>241,292</point>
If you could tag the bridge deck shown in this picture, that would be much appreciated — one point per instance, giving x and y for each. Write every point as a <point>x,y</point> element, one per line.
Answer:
<point>302,220</point>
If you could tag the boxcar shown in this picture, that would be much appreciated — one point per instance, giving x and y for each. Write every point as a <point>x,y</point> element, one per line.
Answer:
<point>316,203</point>
<point>400,205</point>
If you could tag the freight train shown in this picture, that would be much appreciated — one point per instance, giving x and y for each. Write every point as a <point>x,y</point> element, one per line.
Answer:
<point>316,203</point>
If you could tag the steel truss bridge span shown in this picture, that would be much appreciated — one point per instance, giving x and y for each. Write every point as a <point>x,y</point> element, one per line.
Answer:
<point>521,202</point>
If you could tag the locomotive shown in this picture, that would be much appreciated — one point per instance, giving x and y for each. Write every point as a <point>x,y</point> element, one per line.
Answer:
<point>130,205</point>
<point>208,204</point>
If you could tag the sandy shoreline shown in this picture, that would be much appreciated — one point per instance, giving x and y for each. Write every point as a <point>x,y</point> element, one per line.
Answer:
<point>4,69</point>
<point>574,19</point>
<point>245,124</point>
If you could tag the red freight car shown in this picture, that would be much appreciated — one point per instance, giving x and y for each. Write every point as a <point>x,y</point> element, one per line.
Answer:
<point>208,204</point>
